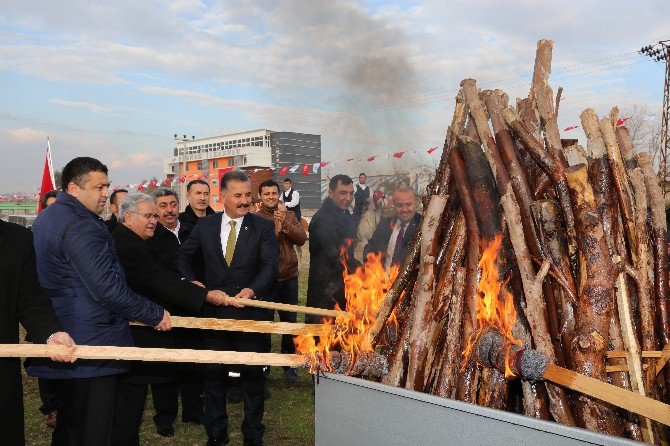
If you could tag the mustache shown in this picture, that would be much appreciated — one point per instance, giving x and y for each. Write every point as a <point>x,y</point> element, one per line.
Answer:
<point>170,214</point>
<point>242,206</point>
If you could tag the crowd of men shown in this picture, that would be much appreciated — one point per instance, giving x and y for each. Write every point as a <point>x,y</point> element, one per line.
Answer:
<point>77,279</point>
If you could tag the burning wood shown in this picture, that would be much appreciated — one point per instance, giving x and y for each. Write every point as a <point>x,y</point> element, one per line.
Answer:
<point>520,249</point>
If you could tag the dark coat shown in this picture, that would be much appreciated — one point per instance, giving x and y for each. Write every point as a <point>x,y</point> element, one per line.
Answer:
<point>189,218</point>
<point>379,241</point>
<point>165,244</point>
<point>80,271</point>
<point>330,230</point>
<point>254,266</point>
<point>147,277</point>
<point>21,301</point>
<point>111,223</point>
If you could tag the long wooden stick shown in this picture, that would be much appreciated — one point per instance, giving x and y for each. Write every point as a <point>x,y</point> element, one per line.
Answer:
<point>151,354</point>
<point>287,307</point>
<point>609,393</point>
<point>242,325</point>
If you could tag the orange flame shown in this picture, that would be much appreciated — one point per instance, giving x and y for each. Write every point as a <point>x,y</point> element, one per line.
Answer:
<point>364,290</point>
<point>495,305</point>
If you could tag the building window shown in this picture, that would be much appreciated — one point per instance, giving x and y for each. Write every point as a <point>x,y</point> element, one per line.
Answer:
<point>201,165</point>
<point>215,164</point>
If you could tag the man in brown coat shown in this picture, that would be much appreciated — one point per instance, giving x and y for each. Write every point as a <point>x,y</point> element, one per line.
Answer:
<point>290,234</point>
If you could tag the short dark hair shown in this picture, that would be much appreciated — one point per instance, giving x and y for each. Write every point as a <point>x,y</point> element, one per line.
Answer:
<point>164,192</point>
<point>268,183</point>
<point>233,175</point>
<point>339,179</point>
<point>77,171</point>
<point>45,197</point>
<point>361,174</point>
<point>287,180</point>
<point>192,182</point>
<point>112,198</point>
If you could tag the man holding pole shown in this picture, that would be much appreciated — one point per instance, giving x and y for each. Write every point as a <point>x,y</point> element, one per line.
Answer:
<point>241,258</point>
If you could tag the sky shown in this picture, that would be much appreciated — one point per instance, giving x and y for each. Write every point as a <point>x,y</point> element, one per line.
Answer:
<point>116,80</point>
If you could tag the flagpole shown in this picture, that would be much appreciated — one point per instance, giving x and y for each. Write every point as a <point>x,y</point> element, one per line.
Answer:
<point>51,164</point>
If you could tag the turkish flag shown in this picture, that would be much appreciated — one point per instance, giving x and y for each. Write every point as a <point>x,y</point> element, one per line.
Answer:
<point>349,159</point>
<point>372,158</point>
<point>323,163</point>
<point>398,154</point>
<point>47,177</point>
<point>621,121</point>
<point>572,127</point>
<point>431,150</point>
<point>284,170</point>
<point>182,179</point>
<point>305,169</point>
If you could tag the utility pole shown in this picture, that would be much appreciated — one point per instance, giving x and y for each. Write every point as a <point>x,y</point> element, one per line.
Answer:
<point>182,189</point>
<point>661,52</point>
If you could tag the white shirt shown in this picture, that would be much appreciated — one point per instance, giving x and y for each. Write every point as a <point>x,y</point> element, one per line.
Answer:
<point>390,249</point>
<point>295,198</point>
<point>176,230</point>
<point>225,230</point>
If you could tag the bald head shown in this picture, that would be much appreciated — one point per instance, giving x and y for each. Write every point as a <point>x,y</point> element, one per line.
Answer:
<point>404,203</point>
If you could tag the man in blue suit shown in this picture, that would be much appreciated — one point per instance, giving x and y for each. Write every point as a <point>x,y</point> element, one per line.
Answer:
<point>241,255</point>
<point>78,268</point>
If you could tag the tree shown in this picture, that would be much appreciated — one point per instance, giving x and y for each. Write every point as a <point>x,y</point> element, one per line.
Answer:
<point>644,126</point>
<point>58,174</point>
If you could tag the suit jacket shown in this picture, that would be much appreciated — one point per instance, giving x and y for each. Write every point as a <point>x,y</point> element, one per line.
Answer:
<point>147,277</point>
<point>188,220</point>
<point>330,230</point>
<point>111,223</point>
<point>165,245</point>
<point>255,262</point>
<point>21,301</point>
<point>379,241</point>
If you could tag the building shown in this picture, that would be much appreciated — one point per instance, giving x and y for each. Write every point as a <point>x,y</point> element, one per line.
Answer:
<point>253,152</point>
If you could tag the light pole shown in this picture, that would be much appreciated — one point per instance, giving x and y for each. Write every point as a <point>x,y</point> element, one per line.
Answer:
<point>182,194</point>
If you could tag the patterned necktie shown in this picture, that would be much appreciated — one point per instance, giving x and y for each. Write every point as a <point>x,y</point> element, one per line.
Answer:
<point>397,252</point>
<point>230,244</point>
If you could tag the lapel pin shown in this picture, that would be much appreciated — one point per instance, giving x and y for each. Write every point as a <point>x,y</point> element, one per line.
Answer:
<point>246,227</point>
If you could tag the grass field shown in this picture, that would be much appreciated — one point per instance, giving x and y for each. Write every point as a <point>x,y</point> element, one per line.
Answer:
<point>289,413</point>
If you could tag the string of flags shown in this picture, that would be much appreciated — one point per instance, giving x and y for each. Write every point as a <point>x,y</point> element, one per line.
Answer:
<point>305,169</point>
<point>619,122</point>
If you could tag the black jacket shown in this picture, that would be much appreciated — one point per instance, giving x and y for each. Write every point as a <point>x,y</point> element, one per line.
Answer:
<point>189,218</point>
<point>380,239</point>
<point>21,301</point>
<point>111,223</point>
<point>146,276</point>
<point>255,262</point>
<point>165,244</point>
<point>331,229</point>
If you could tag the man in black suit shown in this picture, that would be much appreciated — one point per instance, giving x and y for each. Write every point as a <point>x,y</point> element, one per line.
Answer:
<point>168,236</point>
<point>146,276</point>
<point>115,200</point>
<point>394,234</point>
<point>24,302</point>
<point>241,255</point>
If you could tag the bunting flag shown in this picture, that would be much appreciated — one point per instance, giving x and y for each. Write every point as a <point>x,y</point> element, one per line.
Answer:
<point>431,150</point>
<point>284,170</point>
<point>349,159</point>
<point>372,158</point>
<point>48,182</point>
<point>315,167</point>
<point>294,168</point>
<point>621,121</point>
<point>182,179</point>
<point>305,169</point>
<point>398,154</point>
<point>323,163</point>
<point>572,127</point>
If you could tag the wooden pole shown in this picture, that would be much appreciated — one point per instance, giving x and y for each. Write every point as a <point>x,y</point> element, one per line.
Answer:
<point>287,307</point>
<point>242,325</point>
<point>609,393</point>
<point>151,354</point>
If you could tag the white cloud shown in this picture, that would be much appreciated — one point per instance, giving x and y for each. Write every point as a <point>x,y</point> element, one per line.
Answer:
<point>95,108</point>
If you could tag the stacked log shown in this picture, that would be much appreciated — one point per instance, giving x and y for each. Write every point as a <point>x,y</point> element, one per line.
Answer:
<point>583,252</point>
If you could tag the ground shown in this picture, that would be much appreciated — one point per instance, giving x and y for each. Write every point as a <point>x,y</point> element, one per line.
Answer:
<point>289,413</point>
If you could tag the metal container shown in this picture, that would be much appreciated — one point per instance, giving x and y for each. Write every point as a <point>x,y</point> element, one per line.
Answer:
<point>352,411</point>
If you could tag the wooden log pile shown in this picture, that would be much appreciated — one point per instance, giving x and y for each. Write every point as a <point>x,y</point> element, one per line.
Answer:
<point>582,253</point>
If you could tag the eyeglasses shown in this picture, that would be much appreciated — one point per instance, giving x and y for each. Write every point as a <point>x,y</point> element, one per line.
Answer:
<point>147,216</point>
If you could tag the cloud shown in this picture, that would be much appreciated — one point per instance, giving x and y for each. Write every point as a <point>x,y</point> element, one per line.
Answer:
<point>95,108</point>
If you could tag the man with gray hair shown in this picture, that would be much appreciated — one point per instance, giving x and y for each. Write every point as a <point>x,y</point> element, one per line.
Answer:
<point>145,275</point>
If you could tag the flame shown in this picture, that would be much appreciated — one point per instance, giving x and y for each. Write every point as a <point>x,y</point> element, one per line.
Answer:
<point>495,305</point>
<point>364,290</point>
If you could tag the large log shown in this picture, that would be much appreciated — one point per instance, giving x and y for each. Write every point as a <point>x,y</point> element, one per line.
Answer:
<point>595,299</point>
<point>535,308</point>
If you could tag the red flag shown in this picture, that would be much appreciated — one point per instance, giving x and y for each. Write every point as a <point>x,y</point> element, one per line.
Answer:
<point>621,121</point>
<point>153,183</point>
<point>182,179</point>
<point>324,163</point>
<point>284,170</point>
<point>47,177</point>
<point>305,169</point>
<point>140,187</point>
<point>398,154</point>
<point>572,127</point>
<point>431,150</point>
<point>349,159</point>
<point>372,158</point>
